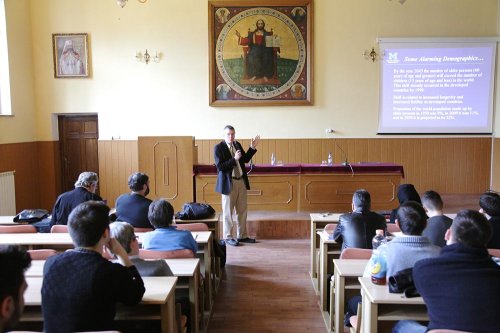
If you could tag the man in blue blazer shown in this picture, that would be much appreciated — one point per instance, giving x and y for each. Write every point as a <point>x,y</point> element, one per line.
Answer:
<point>232,184</point>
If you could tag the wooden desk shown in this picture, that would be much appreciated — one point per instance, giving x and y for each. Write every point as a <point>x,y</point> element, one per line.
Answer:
<point>188,269</point>
<point>158,302</point>
<point>63,240</point>
<point>38,240</point>
<point>318,222</point>
<point>212,223</point>
<point>382,309</point>
<point>328,250</point>
<point>7,220</point>
<point>308,187</point>
<point>345,283</point>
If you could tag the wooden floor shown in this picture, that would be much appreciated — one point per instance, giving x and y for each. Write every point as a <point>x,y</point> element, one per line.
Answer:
<point>267,288</point>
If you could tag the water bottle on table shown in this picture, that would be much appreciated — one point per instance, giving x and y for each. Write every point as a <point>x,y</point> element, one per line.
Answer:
<point>378,261</point>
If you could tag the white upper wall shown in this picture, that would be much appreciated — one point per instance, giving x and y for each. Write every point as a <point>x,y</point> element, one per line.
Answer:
<point>171,98</point>
<point>21,126</point>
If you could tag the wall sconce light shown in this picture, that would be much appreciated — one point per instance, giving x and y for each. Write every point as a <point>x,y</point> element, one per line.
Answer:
<point>370,55</point>
<point>122,3</point>
<point>146,57</point>
<point>401,1</point>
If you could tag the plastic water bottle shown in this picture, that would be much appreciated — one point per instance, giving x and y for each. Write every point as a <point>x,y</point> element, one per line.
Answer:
<point>330,159</point>
<point>378,260</point>
<point>273,159</point>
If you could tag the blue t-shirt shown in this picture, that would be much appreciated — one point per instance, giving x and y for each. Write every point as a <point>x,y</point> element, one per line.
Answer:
<point>169,239</point>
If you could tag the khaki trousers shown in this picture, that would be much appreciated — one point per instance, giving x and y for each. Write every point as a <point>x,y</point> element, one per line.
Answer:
<point>236,200</point>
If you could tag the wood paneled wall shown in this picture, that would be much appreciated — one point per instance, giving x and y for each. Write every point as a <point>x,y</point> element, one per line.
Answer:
<point>36,172</point>
<point>117,160</point>
<point>495,181</point>
<point>447,165</point>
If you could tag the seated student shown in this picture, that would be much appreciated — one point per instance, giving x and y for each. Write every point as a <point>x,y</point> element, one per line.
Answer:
<point>133,207</point>
<point>81,288</point>
<point>124,233</point>
<point>437,223</point>
<point>461,287</point>
<point>357,229</point>
<point>404,250</point>
<point>85,188</point>
<point>490,206</point>
<point>406,192</point>
<point>13,262</point>
<point>165,237</point>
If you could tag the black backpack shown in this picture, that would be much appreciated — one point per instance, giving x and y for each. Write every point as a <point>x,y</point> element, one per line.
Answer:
<point>195,211</point>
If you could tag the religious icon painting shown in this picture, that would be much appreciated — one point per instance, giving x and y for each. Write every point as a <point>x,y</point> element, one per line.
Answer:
<point>71,55</point>
<point>260,54</point>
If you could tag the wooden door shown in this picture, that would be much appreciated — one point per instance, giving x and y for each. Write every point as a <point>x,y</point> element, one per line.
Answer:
<point>78,135</point>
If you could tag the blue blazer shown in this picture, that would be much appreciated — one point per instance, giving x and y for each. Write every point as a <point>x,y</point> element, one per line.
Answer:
<point>225,164</point>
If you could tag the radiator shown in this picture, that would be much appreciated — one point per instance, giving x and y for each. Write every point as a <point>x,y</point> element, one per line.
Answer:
<point>7,193</point>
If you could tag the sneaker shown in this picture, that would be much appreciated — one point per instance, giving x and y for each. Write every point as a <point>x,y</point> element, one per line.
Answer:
<point>232,242</point>
<point>246,240</point>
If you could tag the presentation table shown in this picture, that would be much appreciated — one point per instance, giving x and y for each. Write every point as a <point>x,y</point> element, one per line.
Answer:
<point>308,187</point>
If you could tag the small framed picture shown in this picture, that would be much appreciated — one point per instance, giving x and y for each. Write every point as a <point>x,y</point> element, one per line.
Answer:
<point>71,55</point>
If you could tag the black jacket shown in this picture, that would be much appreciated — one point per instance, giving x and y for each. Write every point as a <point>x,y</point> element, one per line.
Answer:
<point>357,229</point>
<point>69,200</point>
<point>225,163</point>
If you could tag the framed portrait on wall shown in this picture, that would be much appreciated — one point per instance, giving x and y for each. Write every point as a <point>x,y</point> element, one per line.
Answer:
<point>71,56</point>
<point>260,52</point>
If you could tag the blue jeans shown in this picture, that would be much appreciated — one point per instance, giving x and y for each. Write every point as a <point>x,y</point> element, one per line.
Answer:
<point>408,326</point>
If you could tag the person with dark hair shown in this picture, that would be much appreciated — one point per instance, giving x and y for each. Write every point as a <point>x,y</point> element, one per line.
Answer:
<point>81,288</point>
<point>133,207</point>
<point>437,223</point>
<point>14,261</point>
<point>406,192</point>
<point>85,188</point>
<point>406,249</point>
<point>490,206</point>
<point>166,237</point>
<point>232,183</point>
<point>461,287</point>
<point>357,229</point>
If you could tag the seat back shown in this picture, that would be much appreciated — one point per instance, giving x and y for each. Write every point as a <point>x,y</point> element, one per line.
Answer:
<point>143,229</point>
<point>155,254</point>
<point>393,227</point>
<point>494,252</point>
<point>355,253</point>
<point>446,331</point>
<point>41,254</point>
<point>17,229</point>
<point>330,227</point>
<point>192,226</point>
<point>59,228</point>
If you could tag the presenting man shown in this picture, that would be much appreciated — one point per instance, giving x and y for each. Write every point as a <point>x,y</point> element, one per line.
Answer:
<point>133,207</point>
<point>232,183</point>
